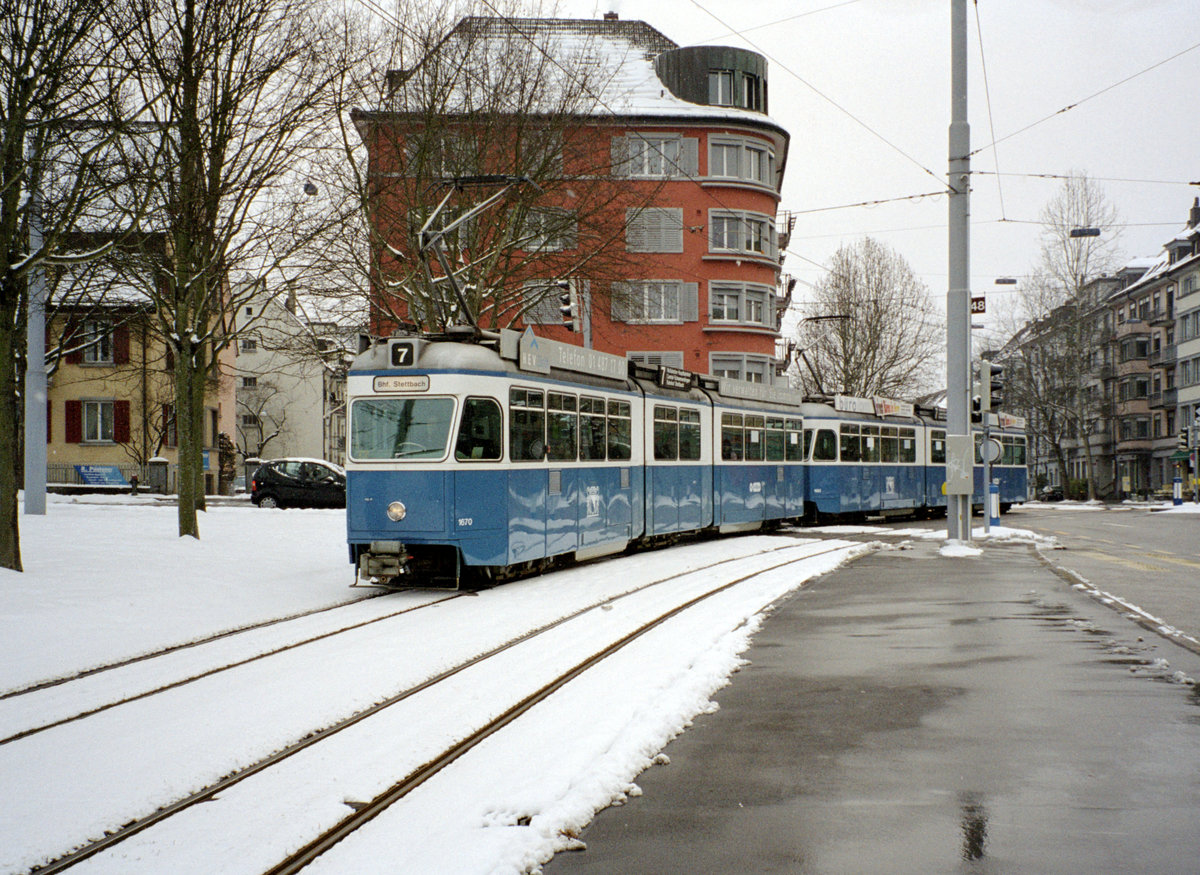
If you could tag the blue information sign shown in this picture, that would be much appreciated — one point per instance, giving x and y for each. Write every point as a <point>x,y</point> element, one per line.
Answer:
<point>101,475</point>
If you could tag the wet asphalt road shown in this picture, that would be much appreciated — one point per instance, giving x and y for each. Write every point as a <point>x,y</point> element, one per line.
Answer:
<point>914,713</point>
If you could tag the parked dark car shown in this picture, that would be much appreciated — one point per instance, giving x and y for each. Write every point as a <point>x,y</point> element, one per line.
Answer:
<point>1052,493</point>
<point>298,483</point>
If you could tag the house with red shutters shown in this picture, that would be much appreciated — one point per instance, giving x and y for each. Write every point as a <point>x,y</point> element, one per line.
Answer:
<point>110,394</point>
<point>657,233</point>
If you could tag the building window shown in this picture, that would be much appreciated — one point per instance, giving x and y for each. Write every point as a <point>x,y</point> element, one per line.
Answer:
<point>548,230</point>
<point>655,301</point>
<point>98,340</point>
<point>751,368</point>
<point>737,231</point>
<point>654,156</point>
<point>654,229</point>
<point>250,420</point>
<point>741,303</point>
<point>739,158</point>
<point>720,87</point>
<point>249,344</point>
<point>541,302</point>
<point>98,421</point>
<point>751,92</point>
<point>249,382</point>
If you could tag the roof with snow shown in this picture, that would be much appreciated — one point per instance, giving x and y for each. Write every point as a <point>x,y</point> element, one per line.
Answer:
<point>609,63</point>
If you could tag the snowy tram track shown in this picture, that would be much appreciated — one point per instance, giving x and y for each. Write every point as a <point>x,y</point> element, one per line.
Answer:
<point>174,648</point>
<point>91,692</point>
<point>364,813</point>
<point>452,673</point>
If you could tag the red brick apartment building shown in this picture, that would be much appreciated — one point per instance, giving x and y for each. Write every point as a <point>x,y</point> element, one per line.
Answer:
<point>678,261</point>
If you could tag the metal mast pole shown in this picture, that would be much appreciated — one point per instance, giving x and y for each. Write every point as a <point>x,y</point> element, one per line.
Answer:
<point>958,315</point>
<point>35,373</point>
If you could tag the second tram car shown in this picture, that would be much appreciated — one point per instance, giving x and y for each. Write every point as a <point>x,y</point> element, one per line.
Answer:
<point>489,460</point>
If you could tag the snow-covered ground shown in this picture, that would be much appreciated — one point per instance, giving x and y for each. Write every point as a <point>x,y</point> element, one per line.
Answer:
<point>107,580</point>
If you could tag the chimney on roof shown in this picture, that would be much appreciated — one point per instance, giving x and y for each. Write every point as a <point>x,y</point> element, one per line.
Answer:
<point>611,16</point>
<point>1194,215</point>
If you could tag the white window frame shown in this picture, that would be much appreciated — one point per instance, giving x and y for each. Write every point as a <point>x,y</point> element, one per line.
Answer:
<point>548,229</point>
<point>99,342</point>
<point>751,303</point>
<point>654,156</point>
<point>754,163</point>
<point>720,87</point>
<point>98,421</point>
<point>665,296</point>
<point>738,366</point>
<point>752,233</point>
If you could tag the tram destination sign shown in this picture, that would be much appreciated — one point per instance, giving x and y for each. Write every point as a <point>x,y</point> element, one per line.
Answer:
<point>540,355</point>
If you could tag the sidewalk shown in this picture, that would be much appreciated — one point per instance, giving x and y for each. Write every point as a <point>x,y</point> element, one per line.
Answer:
<point>916,713</point>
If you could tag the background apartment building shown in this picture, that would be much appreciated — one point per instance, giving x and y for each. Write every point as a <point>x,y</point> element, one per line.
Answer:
<point>679,261</point>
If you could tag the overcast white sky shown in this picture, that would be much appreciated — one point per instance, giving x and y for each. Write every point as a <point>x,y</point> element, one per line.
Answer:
<point>886,62</point>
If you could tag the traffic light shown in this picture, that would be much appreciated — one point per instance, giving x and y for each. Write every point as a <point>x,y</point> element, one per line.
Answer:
<point>1183,438</point>
<point>995,386</point>
<point>569,307</point>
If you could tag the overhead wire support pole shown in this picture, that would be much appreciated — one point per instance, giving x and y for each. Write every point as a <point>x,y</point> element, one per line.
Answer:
<point>958,295</point>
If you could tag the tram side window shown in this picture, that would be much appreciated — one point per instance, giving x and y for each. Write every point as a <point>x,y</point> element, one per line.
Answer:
<point>978,448</point>
<point>775,440</point>
<point>620,431</point>
<point>754,438</point>
<point>870,443</point>
<point>666,433</point>
<point>908,445</point>
<point>937,447</point>
<point>526,425</point>
<point>797,439</point>
<point>889,450</point>
<point>479,433</point>
<point>689,435</point>
<point>825,446</point>
<point>561,427</point>
<point>1019,452</point>
<point>731,437</point>
<point>592,432</point>
<point>851,448</point>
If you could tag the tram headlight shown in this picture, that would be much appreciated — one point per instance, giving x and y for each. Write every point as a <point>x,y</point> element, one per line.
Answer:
<point>396,511</point>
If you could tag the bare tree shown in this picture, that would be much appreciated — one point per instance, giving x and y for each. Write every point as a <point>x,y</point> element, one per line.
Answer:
<point>499,98</point>
<point>55,67</point>
<point>1054,361</point>
<point>238,90</point>
<point>872,328</point>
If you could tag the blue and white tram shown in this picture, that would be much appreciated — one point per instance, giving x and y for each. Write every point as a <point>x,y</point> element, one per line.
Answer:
<point>495,459</point>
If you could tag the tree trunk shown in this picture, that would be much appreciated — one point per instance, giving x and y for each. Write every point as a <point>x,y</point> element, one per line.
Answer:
<point>188,524</point>
<point>10,529</point>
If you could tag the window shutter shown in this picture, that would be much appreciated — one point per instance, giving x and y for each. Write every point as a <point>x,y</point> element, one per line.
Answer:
<point>121,345</point>
<point>689,156</point>
<point>542,303</point>
<point>49,429</point>
<point>74,422</point>
<point>619,302</point>
<point>689,302</point>
<point>121,422</point>
<point>654,229</point>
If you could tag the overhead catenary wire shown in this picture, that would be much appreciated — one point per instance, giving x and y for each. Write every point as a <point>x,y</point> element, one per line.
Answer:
<point>1084,100</point>
<point>987,92</point>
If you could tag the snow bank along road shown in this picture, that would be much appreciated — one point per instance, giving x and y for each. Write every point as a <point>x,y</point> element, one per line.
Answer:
<point>556,690</point>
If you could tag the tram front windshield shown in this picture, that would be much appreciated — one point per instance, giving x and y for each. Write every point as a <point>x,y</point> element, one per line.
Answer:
<point>400,428</point>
